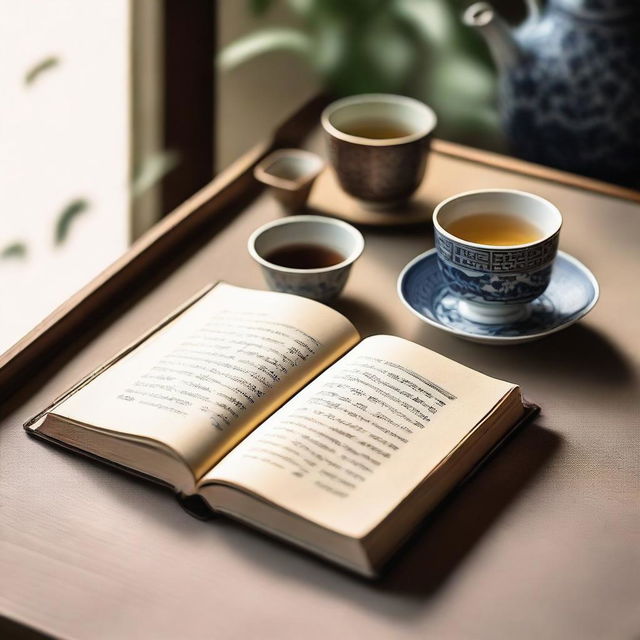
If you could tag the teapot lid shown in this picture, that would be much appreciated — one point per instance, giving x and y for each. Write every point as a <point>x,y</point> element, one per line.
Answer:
<point>607,9</point>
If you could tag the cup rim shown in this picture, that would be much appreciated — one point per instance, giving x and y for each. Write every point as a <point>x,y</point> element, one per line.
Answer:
<point>350,259</point>
<point>497,247</point>
<point>392,98</point>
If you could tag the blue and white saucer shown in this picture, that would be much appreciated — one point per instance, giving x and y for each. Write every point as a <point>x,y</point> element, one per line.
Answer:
<point>571,294</point>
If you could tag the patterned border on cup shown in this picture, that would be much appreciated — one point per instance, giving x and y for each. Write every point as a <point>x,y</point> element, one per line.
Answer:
<point>487,260</point>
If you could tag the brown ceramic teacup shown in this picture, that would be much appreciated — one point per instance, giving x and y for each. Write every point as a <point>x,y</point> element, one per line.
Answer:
<point>290,174</point>
<point>378,146</point>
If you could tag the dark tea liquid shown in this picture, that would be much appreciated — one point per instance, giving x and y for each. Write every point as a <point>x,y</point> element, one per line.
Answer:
<point>304,256</point>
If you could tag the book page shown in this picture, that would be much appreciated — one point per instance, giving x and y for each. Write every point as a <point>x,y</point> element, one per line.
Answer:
<point>205,380</point>
<point>348,448</point>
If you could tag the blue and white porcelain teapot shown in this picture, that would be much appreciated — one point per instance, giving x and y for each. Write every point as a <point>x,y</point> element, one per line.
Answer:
<point>570,84</point>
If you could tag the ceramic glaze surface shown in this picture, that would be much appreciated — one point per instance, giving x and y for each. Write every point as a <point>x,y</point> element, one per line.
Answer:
<point>570,84</point>
<point>511,275</point>
<point>571,293</point>
<point>321,283</point>
<point>380,172</point>
<point>320,286</point>
<point>573,99</point>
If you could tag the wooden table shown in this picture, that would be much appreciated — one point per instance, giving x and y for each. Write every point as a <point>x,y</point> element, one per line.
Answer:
<point>543,543</point>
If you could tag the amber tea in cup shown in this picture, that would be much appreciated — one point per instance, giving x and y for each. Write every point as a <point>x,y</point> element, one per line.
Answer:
<point>376,129</point>
<point>378,146</point>
<point>496,229</point>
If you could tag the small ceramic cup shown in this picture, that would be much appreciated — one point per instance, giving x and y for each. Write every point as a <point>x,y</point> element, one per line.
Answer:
<point>322,283</point>
<point>380,172</point>
<point>290,174</point>
<point>495,283</point>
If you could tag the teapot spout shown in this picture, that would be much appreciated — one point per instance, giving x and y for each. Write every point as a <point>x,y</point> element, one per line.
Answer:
<point>499,37</point>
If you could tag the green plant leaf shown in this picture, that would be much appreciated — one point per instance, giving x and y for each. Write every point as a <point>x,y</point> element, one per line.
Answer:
<point>433,20</point>
<point>14,250</point>
<point>260,42</point>
<point>305,8</point>
<point>390,52</point>
<point>38,69</point>
<point>152,169</point>
<point>331,45</point>
<point>260,7</point>
<point>461,78</point>
<point>67,217</point>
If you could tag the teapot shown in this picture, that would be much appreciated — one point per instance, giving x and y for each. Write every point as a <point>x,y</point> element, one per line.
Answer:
<point>569,84</point>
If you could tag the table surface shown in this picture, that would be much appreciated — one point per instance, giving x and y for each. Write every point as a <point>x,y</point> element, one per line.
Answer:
<point>543,543</point>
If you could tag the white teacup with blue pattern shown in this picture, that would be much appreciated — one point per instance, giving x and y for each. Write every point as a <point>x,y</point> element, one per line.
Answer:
<point>496,283</point>
<point>322,283</point>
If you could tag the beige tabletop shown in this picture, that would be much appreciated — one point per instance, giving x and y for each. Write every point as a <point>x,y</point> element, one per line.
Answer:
<point>542,543</point>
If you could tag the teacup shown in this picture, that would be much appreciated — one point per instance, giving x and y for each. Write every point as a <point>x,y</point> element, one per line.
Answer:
<point>290,174</point>
<point>495,283</point>
<point>320,283</point>
<point>381,171</point>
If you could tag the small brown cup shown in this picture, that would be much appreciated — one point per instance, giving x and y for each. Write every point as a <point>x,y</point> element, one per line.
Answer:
<point>290,174</point>
<point>380,172</point>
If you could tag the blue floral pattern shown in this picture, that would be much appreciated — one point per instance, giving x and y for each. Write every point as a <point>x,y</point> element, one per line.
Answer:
<point>572,101</point>
<point>322,286</point>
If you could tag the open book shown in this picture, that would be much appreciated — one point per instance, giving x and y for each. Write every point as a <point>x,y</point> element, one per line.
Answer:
<point>271,408</point>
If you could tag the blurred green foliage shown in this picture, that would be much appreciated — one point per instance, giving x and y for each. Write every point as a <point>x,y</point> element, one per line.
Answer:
<point>14,250</point>
<point>67,217</point>
<point>73,209</point>
<point>413,47</point>
<point>39,68</point>
<point>153,168</point>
